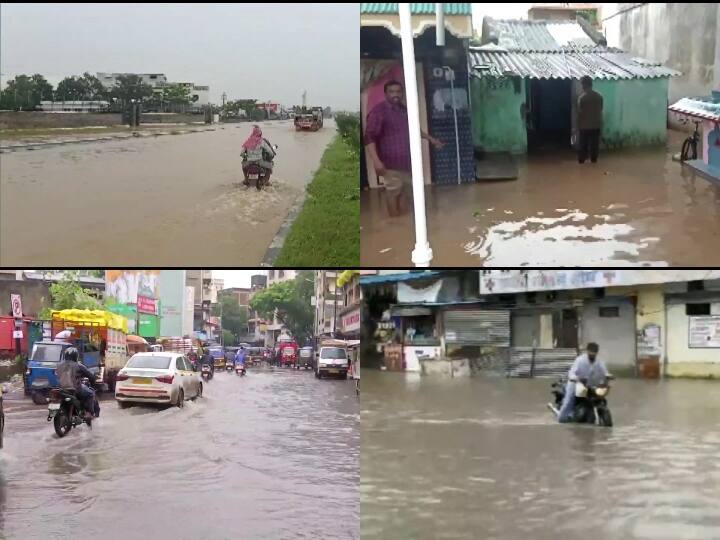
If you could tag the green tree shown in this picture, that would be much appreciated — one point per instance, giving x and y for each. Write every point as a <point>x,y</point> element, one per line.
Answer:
<point>93,88</point>
<point>291,301</point>
<point>21,93</point>
<point>229,339</point>
<point>70,89</point>
<point>234,318</point>
<point>176,93</point>
<point>129,87</point>
<point>42,90</point>
<point>69,294</point>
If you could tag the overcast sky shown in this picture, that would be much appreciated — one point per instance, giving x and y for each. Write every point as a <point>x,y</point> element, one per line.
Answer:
<point>263,51</point>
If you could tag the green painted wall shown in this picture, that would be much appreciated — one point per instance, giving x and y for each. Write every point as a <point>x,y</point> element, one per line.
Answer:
<point>634,113</point>
<point>497,123</point>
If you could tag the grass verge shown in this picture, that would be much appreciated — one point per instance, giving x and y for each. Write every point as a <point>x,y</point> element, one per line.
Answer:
<point>327,230</point>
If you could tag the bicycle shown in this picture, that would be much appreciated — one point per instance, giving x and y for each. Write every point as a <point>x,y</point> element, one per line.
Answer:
<point>690,145</point>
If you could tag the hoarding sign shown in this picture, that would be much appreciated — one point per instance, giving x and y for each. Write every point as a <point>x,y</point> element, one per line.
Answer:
<point>147,305</point>
<point>16,303</point>
<point>351,321</point>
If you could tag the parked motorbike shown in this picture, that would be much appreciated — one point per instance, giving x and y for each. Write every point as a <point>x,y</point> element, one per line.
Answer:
<point>240,370</point>
<point>590,403</point>
<point>206,372</point>
<point>258,174</point>
<point>66,411</point>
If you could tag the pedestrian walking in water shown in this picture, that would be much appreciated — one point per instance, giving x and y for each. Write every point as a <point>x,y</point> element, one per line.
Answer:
<point>589,121</point>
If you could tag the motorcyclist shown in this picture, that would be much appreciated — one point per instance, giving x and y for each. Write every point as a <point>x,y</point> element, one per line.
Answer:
<point>70,372</point>
<point>257,149</point>
<point>587,369</point>
<point>207,358</point>
<point>240,357</point>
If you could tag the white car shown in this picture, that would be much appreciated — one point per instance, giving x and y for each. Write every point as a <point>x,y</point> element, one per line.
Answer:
<point>332,361</point>
<point>157,377</point>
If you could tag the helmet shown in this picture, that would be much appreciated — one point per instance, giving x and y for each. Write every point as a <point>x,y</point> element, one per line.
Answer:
<point>71,354</point>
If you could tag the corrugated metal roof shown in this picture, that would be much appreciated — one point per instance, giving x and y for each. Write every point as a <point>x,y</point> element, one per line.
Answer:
<point>698,107</point>
<point>486,62</point>
<point>524,35</point>
<point>521,35</point>
<point>417,9</point>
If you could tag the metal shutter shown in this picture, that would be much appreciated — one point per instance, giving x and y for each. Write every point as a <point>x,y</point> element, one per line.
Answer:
<point>477,328</point>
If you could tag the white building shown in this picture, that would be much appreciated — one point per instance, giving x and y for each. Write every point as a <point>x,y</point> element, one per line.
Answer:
<point>199,94</point>
<point>276,276</point>
<point>328,302</point>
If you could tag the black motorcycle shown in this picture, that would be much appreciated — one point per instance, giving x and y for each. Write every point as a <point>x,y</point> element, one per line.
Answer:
<point>590,403</point>
<point>66,411</point>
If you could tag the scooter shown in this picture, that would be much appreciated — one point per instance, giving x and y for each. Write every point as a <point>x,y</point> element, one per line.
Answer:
<point>258,174</point>
<point>590,403</point>
<point>206,372</point>
<point>240,370</point>
<point>228,366</point>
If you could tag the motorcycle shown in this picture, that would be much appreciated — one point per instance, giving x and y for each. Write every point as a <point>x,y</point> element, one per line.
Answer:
<point>66,411</point>
<point>206,372</point>
<point>240,370</point>
<point>258,174</point>
<point>228,366</point>
<point>590,403</point>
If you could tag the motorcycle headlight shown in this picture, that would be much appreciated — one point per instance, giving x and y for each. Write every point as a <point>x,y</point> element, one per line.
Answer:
<point>601,392</point>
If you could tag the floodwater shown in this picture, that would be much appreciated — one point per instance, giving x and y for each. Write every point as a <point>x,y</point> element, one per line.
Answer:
<point>483,458</point>
<point>168,201</point>
<point>634,207</point>
<point>272,455</point>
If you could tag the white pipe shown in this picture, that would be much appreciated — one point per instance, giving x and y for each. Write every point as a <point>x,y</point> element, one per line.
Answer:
<point>440,24</point>
<point>422,254</point>
<point>451,74</point>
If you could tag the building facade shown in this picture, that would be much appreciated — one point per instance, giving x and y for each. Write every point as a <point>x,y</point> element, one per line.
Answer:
<point>648,323</point>
<point>328,302</point>
<point>277,276</point>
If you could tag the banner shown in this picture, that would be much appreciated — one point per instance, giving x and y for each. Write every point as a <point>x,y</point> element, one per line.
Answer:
<point>704,332</point>
<point>147,305</point>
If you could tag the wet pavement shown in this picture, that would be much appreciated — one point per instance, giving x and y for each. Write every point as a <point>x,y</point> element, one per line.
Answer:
<point>273,455</point>
<point>483,458</point>
<point>635,207</point>
<point>168,201</point>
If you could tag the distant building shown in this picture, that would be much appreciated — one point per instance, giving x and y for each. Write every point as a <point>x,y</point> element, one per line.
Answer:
<point>73,106</point>
<point>276,276</point>
<point>565,12</point>
<point>154,80</point>
<point>327,303</point>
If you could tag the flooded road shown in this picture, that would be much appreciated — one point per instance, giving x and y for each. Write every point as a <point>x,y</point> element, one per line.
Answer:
<point>273,455</point>
<point>483,458</point>
<point>635,207</point>
<point>171,200</point>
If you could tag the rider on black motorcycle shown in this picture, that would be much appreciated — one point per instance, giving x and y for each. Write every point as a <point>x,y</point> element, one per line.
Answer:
<point>258,150</point>
<point>587,369</point>
<point>207,359</point>
<point>70,374</point>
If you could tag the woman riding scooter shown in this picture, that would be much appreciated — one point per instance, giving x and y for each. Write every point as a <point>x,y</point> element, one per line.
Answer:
<point>257,149</point>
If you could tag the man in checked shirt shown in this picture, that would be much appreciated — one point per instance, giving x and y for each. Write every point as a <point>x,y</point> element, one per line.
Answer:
<point>387,141</point>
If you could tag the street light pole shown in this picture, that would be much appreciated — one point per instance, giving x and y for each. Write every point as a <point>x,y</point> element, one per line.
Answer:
<point>422,254</point>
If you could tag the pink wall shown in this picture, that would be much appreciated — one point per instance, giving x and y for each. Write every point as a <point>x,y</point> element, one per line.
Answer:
<point>376,93</point>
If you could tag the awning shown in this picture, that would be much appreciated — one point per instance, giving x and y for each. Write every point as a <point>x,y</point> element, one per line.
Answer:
<point>97,316</point>
<point>704,108</point>
<point>395,278</point>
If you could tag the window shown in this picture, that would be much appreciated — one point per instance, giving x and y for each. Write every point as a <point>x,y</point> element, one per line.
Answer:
<point>149,362</point>
<point>697,309</point>
<point>608,311</point>
<point>281,273</point>
<point>696,286</point>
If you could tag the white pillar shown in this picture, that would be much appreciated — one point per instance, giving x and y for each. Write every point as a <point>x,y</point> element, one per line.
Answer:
<point>440,25</point>
<point>422,254</point>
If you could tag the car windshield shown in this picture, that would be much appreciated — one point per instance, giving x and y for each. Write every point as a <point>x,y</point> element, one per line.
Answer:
<point>333,352</point>
<point>216,353</point>
<point>46,353</point>
<point>149,362</point>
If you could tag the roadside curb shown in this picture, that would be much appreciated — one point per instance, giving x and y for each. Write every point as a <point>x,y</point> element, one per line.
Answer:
<point>134,135</point>
<point>278,241</point>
